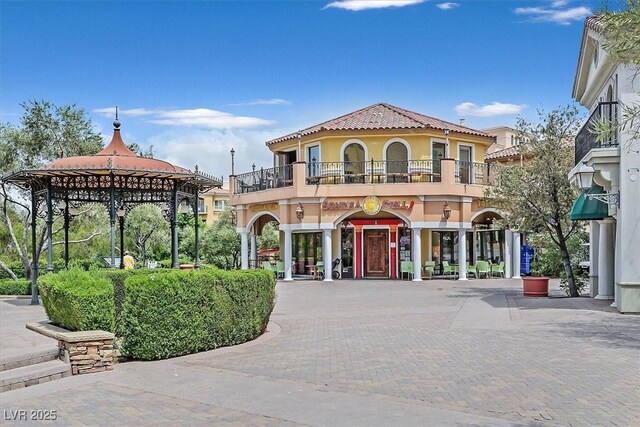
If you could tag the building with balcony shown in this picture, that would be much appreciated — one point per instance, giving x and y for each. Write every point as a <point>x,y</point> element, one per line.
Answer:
<point>212,203</point>
<point>607,171</point>
<point>384,190</point>
<point>506,137</point>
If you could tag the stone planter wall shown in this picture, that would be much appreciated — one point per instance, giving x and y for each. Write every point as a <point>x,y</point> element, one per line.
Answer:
<point>86,351</point>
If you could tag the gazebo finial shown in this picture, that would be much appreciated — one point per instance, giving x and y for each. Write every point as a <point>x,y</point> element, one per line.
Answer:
<point>116,122</point>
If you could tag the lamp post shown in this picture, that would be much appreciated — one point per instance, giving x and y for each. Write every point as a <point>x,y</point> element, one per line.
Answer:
<point>446,139</point>
<point>233,166</point>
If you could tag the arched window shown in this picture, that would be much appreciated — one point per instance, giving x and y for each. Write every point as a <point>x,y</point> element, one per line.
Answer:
<point>397,158</point>
<point>354,162</point>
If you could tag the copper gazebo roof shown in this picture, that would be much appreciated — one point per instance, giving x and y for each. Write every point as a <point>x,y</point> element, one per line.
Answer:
<point>117,159</point>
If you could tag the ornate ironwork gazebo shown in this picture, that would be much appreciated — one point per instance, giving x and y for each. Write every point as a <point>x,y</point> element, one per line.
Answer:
<point>117,178</point>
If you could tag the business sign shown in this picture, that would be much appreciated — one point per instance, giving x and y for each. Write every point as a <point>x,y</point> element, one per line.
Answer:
<point>371,205</point>
<point>263,207</point>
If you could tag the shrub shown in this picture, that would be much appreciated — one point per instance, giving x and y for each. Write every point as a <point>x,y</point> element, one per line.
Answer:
<point>15,287</point>
<point>78,300</point>
<point>174,313</point>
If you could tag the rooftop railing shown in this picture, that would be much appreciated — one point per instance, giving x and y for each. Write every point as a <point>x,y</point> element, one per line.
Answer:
<point>473,173</point>
<point>264,179</point>
<point>586,138</point>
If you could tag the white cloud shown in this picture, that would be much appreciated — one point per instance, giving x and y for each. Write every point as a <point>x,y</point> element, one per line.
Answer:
<point>357,5</point>
<point>199,117</point>
<point>558,16</point>
<point>488,110</point>
<point>446,6</point>
<point>211,149</point>
<point>559,3</point>
<point>271,101</point>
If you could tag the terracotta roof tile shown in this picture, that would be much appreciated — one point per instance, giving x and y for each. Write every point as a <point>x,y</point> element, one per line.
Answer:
<point>381,116</point>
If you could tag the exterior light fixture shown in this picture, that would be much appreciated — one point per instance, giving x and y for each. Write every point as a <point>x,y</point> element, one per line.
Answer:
<point>446,131</point>
<point>299,211</point>
<point>584,179</point>
<point>233,217</point>
<point>446,211</point>
<point>120,212</point>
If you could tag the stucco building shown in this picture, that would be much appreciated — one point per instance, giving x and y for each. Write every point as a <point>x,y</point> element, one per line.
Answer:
<point>608,171</point>
<point>381,189</point>
<point>212,203</point>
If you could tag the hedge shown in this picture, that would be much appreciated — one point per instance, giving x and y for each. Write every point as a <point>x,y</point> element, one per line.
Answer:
<point>15,287</point>
<point>78,300</point>
<point>169,314</point>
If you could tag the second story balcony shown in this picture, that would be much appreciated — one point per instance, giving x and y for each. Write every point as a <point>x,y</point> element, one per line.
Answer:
<point>409,177</point>
<point>586,138</point>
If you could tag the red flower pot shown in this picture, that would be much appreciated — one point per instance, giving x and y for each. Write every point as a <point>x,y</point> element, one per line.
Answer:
<point>535,286</point>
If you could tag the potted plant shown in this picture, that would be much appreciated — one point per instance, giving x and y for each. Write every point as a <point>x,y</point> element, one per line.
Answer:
<point>535,285</point>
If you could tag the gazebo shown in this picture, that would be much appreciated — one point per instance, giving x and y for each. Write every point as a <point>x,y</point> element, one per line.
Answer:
<point>117,178</point>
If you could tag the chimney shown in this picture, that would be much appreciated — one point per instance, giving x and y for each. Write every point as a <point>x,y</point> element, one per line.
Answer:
<point>462,122</point>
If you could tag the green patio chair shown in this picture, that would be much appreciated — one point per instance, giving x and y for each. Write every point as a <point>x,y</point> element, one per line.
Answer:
<point>471,269</point>
<point>319,270</point>
<point>449,270</point>
<point>429,268</point>
<point>280,269</point>
<point>482,267</point>
<point>498,268</point>
<point>266,265</point>
<point>406,267</point>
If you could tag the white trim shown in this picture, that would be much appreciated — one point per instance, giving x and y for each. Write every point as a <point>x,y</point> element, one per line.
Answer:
<point>258,215</point>
<point>441,141</point>
<point>485,210</point>
<point>391,141</point>
<point>306,227</point>
<point>313,144</point>
<point>442,225</point>
<point>353,141</point>
<point>470,145</point>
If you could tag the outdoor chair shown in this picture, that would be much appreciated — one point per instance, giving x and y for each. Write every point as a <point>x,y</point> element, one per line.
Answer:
<point>406,267</point>
<point>498,268</point>
<point>482,267</point>
<point>280,269</point>
<point>448,269</point>
<point>319,270</point>
<point>266,265</point>
<point>429,268</point>
<point>471,269</point>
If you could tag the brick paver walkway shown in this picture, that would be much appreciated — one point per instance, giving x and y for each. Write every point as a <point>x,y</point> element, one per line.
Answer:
<point>385,353</point>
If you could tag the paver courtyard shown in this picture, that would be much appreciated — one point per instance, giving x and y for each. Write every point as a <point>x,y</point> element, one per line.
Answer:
<point>383,353</point>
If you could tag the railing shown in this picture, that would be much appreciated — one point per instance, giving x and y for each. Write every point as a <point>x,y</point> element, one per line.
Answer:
<point>586,139</point>
<point>373,172</point>
<point>264,179</point>
<point>473,173</point>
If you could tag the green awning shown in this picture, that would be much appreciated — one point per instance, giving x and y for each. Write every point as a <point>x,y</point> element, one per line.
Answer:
<point>585,209</point>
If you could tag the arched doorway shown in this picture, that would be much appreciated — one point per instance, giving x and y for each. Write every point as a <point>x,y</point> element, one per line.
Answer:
<point>354,163</point>
<point>397,156</point>
<point>489,239</point>
<point>264,241</point>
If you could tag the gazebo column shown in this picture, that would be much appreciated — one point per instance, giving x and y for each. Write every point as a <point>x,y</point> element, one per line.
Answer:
<point>112,219</point>
<point>174,228</point>
<point>34,249</point>
<point>49,229</point>
<point>66,230</point>
<point>196,226</point>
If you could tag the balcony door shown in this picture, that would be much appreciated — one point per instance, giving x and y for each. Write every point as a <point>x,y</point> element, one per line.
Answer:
<point>464,155</point>
<point>354,163</point>
<point>438,152</point>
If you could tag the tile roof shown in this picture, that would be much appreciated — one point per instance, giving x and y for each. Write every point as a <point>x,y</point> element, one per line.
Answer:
<point>503,154</point>
<point>381,116</point>
<point>593,22</point>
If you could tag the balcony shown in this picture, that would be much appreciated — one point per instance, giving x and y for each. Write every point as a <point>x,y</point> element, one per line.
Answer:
<point>586,139</point>
<point>372,172</point>
<point>264,179</point>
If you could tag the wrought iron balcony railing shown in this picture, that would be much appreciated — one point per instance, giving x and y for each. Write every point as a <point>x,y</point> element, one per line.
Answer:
<point>373,172</point>
<point>586,138</point>
<point>473,173</point>
<point>264,179</point>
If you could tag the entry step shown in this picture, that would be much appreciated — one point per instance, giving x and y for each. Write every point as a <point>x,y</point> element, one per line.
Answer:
<point>33,374</point>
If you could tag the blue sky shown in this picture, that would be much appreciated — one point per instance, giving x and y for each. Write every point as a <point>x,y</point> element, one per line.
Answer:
<point>197,78</point>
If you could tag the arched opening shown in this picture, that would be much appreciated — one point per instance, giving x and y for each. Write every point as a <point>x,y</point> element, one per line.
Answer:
<point>397,157</point>
<point>354,163</point>
<point>264,242</point>
<point>489,239</point>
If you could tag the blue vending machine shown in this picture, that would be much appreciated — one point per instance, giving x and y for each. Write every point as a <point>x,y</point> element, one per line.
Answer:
<point>526,256</point>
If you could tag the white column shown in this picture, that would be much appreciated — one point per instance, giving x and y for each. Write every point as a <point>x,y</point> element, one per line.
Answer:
<point>287,256</point>
<point>594,240</point>
<point>462,254</point>
<point>605,260</point>
<point>326,251</point>
<point>254,250</point>
<point>516,255</point>
<point>244,250</point>
<point>508,248</point>
<point>416,246</point>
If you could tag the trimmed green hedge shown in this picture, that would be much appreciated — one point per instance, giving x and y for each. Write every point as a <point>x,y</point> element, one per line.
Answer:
<point>15,287</point>
<point>169,314</point>
<point>78,300</point>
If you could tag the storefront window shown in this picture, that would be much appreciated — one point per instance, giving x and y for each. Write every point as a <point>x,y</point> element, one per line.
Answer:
<point>307,250</point>
<point>347,252</point>
<point>490,245</point>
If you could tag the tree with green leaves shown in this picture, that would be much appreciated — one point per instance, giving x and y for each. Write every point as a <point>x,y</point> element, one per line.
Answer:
<point>270,236</point>
<point>221,243</point>
<point>537,196</point>
<point>45,133</point>
<point>148,230</point>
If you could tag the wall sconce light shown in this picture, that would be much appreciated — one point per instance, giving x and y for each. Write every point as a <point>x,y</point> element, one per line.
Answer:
<point>446,211</point>
<point>299,212</point>
<point>584,179</point>
<point>233,217</point>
